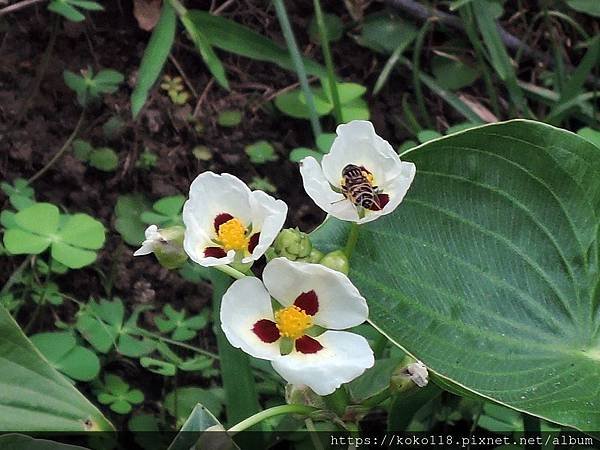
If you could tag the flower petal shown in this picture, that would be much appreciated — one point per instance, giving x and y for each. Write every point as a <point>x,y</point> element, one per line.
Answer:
<point>357,143</point>
<point>245,303</point>
<point>210,196</point>
<point>196,241</point>
<point>146,248</point>
<point>340,305</point>
<point>267,216</point>
<point>319,189</point>
<point>396,188</point>
<point>344,357</point>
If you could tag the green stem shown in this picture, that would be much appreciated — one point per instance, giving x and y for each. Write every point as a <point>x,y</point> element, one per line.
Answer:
<point>352,239</point>
<point>62,150</point>
<point>233,273</point>
<point>146,333</point>
<point>337,401</point>
<point>335,96</point>
<point>314,436</point>
<point>290,40</point>
<point>271,412</point>
<point>416,72</point>
<point>15,275</point>
<point>178,7</point>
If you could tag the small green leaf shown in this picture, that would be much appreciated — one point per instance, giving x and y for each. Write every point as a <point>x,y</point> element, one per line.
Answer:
<point>128,223</point>
<point>333,25</point>
<point>261,152</point>
<point>104,159</point>
<point>163,368</point>
<point>325,141</point>
<point>385,33</point>
<point>72,257</point>
<point>298,154</point>
<point>452,73</point>
<point>82,149</point>
<point>427,135</point>
<point>229,118</point>
<point>19,242</point>
<point>83,231</point>
<point>591,7</point>
<point>40,218</point>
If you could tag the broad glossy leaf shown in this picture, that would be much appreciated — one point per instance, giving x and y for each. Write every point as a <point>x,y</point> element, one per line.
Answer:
<point>35,397</point>
<point>23,442</point>
<point>488,271</point>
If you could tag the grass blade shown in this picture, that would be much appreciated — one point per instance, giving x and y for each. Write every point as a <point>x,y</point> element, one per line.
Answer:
<point>449,97</point>
<point>206,51</point>
<point>335,96</point>
<point>298,65</point>
<point>575,82</point>
<point>499,58</point>
<point>154,58</point>
<point>232,37</point>
<point>416,72</point>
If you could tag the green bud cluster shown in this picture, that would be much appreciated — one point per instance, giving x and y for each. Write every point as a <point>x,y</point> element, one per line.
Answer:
<point>170,253</point>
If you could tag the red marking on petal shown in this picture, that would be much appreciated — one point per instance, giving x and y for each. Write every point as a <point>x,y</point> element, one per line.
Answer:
<point>253,242</point>
<point>221,219</point>
<point>308,301</point>
<point>383,200</point>
<point>306,344</point>
<point>214,252</point>
<point>266,330</point>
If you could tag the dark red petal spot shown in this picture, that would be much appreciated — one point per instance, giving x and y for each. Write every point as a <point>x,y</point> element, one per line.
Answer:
<point>306,344</point>
<point>308,301</point>
<point>221,219</point>
<point>266,330</point>
<point>383,200</point>
<point>253,242</point>
<point>214,252</point>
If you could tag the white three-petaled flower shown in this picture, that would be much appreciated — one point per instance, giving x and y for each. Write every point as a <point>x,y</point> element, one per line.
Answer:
<point>309,295</point>
<point>361,178</point>
<point>226,221</point>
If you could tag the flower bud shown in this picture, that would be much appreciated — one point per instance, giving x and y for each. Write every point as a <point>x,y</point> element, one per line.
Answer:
<point>293,244</point>
<point>406,378</point>
<point>336,260</point>
<point>166,244</point>
<point>300,394</point>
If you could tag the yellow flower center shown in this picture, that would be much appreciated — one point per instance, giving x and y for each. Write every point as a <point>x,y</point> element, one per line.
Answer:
<point>232,235</point>
<point>292,322</point>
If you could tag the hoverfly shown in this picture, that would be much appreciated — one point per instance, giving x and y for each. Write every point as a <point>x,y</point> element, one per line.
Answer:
<point>358,188</point>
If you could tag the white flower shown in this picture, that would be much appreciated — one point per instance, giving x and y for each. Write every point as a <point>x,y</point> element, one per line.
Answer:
<point>226,221</point>
<point>385,178</point>
<point>152,241</point>
<point>309,295</point>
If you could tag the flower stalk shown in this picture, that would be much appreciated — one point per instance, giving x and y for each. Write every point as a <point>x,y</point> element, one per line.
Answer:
<point>271,412</point>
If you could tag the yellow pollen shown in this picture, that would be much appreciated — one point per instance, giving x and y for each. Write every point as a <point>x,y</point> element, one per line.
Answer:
<point>232,235</point>
<point>292,322</point>
<point>369,177</point>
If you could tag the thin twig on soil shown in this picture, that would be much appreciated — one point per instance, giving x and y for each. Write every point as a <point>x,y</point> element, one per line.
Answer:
<point>62,150</point>
<point>17,6</point>
<point>203,97</point>
<point>183,75</point>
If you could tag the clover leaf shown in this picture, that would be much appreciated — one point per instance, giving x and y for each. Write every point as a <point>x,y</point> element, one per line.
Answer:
<point>47,293</point>
<point>175,322</point>
<point>20,194</point>
<point>102,325</point>
<point>72,239</point>
<point>128,223</point>
<point>66,356</point>
<point>117,394</point>
<point>166,212</point>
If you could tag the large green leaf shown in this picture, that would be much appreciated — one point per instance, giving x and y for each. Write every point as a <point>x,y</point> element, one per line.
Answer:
<point>488,271</point>
<point>35,397</point>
